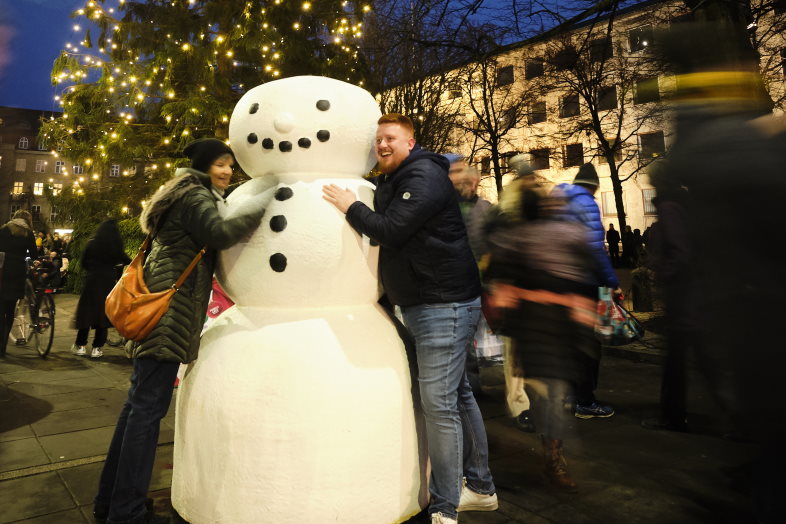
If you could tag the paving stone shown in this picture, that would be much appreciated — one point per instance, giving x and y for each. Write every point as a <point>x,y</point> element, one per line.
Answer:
<point>43,390</point>
<point>23,431</point>
<point>82,482</point>
<point>71,516</point>
<point>76,419</point>
<point>34,496</point>
<point>22,453</point>
<point>78,444</point>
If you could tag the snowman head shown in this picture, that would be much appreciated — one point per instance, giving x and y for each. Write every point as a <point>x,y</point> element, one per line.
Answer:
<point>310,126</point>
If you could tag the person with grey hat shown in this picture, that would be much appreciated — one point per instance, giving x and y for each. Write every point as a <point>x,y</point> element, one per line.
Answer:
<point>581,207</point>
<point>182,218</point>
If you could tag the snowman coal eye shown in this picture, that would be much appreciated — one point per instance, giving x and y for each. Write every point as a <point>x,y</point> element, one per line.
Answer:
<point>253,109</point>
<point>323,135</point>
<point>323,105</point>
<point>252,138</point>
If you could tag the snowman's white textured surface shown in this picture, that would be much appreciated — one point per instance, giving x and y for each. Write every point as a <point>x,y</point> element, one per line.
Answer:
<point>299,408</point>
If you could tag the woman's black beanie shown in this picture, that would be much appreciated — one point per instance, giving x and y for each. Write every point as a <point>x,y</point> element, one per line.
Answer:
<point>205,151</point>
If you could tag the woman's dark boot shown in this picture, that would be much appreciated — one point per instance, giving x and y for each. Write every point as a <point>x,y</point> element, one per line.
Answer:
<point>555,471</point>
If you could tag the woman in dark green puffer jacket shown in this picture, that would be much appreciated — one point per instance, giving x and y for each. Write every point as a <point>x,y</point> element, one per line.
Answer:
<point>183,217</point>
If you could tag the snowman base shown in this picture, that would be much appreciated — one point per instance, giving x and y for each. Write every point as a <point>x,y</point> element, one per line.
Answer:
<point>301,415</point>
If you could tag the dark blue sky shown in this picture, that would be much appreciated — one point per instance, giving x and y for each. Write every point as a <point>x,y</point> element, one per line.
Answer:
<point>40,29</point>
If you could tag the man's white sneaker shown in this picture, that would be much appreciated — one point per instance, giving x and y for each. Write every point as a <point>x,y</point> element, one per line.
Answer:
<point>96,353</point>
<point>78,350</point>
<point>471,501</point>
<point>440,518</point>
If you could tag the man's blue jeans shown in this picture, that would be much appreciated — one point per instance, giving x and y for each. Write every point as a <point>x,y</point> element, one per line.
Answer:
<point>129,463</point>
<point>457,440</point>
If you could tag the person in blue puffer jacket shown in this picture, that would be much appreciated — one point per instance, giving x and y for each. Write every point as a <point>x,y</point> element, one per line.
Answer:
<point>581,207</point>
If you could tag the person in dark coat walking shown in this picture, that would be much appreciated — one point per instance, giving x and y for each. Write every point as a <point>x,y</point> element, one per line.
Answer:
<point>103,252</point>
<point>17,242</point>
<point>613,240</point>
<point>183,218</point>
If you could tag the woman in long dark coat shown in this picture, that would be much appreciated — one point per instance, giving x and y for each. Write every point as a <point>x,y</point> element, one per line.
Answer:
<point>17,242</point>
<point>104,252</point>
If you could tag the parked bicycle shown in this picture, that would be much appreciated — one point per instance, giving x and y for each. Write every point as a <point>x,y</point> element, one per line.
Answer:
<point>34,318</point>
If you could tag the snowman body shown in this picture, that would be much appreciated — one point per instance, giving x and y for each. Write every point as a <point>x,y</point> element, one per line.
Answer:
<point>299,407</point>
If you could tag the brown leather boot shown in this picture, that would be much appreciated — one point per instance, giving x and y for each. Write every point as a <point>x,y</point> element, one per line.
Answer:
<point>555,471</point>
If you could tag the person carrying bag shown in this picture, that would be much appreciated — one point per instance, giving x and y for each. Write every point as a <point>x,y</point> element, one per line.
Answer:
<point>186,221</point>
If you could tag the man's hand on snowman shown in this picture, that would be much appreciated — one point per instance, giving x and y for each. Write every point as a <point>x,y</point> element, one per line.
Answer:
<point>342,198</point>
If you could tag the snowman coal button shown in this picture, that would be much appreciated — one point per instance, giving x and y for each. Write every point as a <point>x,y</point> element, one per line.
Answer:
<point>278,262</point>
<point>323,105</point>
<point>323,135</point>
<point>267,143</point>
<point>278,223</point>
<point>285,146</point>
<point>283,193</point>
<point>305,143</point>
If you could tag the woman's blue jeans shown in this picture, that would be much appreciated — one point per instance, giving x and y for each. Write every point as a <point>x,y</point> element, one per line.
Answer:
<point>457,441</point>
<point>129,463</point>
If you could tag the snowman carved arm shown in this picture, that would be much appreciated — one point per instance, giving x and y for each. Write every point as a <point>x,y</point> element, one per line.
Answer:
<point>201,219</point>
<point>414,200</point>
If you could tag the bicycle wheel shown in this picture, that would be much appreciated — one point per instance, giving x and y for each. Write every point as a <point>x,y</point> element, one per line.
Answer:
<point>45,324</point>
<point>23,324</point>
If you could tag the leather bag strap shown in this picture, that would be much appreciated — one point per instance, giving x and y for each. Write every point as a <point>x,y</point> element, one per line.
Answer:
<point>186,271</point>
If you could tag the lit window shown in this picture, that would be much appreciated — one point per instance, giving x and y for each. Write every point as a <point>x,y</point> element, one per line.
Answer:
<point>640,38</point>
<point>40,166</point>
<point>649,207</point>
<point>56,189</point>
<point>24,143</point>
<point>19,188</point>
<point>114,170</point>
<point>38,188</point>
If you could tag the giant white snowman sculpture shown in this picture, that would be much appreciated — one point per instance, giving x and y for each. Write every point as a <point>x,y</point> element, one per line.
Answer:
<point>299,408</point>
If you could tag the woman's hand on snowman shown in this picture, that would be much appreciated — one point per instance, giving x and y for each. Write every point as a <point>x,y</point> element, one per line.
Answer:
<point>342,198</point>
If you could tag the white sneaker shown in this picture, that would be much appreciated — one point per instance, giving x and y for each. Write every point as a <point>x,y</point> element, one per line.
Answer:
<point>78,350</point>
<point>471,501</point>
<point>440,518</point>
<point>96,353</point>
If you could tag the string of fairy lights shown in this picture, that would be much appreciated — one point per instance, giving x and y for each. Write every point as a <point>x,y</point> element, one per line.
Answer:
<point>127,82</point>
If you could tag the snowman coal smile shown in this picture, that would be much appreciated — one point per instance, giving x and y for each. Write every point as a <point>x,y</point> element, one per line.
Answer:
<point>285,146</point>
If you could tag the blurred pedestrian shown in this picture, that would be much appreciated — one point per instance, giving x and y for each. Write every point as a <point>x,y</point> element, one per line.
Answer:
<point>582,208</point>
<point>613,241</point>
<point>627,247</point>
<point>17,242</point>
<point>99,259</point>
<point>182,219</point>
<point>544,274</point>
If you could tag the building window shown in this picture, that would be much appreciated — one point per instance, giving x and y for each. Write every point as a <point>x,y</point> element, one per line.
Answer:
<point>608,204</point>
<point>607,98</point>
<point>42,146</point>
<point>649,207</point>
<point>57,189</point>
<point>24,143</point>
<point>537,113</point>
<point>504,159</point>
<point>59,147</point>
<point>783,61</point>
<point>19,188</point>
<point>617,153</point>
<point>114,170</point>
<point>454,90</point>
<point>21,165</point>
<point>533,68</point>
<point>652,145</point>
<point>59,166</point>
<point>569,106</point>
<point>640,38</point>
<point>78,170</point>
<point>600,49</point>
<point>780,7</point>
<point>40,166</point>
<point>52,217</point>
<point>574,155</point>
<point>539,159</point>
<point>14,209</point>
<point>509,118</point>
<point>36,212</point>
<point>565,58</point>
<point>646,91</point>
<point>505,76</point>
<point>485,165</point>
<point>38,188</point>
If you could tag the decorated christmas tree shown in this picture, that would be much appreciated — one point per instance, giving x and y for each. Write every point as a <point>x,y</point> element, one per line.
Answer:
<point>150,76</point>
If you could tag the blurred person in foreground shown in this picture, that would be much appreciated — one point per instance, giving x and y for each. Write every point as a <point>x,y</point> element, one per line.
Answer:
<point>544,275</point>
<point>427,269</point>
<point>17,243</point>
<point>730,155</point>
<point>582,208</point>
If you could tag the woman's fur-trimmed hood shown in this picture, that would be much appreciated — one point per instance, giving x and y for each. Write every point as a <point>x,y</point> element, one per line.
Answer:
<point>186,179</point>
